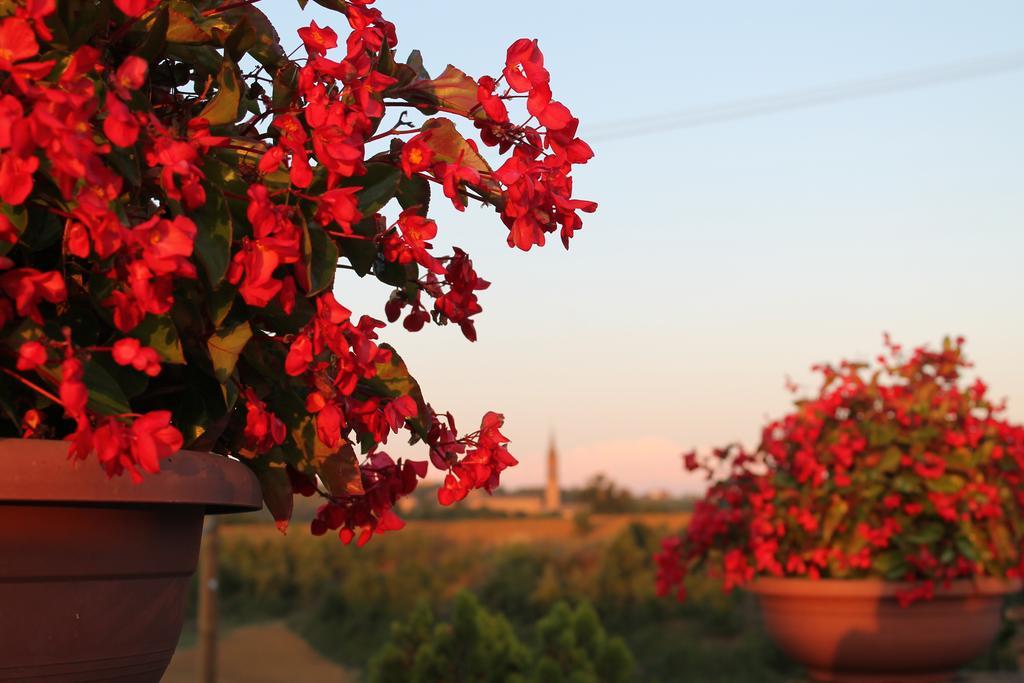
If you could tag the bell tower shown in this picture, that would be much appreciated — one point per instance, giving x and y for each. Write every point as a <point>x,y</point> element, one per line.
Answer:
<point>552,492</point>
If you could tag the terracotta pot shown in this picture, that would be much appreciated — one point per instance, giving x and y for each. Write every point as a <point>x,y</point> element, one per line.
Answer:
<point>94,571</point>
<point>856,632</point>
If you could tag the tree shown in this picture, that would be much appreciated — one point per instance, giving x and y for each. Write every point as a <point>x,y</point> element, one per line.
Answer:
<point>571,647</point>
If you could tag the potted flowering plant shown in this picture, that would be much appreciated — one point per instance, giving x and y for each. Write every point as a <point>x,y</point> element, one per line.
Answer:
<point>177,194</point>
<point>879,524</point>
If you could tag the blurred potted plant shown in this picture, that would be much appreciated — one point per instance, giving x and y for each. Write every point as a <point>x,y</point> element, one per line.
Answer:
<point>176,196</point>
<point>879,524</point>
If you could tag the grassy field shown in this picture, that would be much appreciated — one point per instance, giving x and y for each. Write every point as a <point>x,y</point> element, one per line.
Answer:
<point>497,531</point>
<point>305,608</point>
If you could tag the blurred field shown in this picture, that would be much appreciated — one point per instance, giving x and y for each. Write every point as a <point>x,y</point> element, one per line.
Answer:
<point>262,653</point>
<point>311,609</point>
<point>501,531</point>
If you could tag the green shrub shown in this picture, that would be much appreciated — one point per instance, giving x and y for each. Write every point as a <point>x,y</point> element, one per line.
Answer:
<point>569,646</point>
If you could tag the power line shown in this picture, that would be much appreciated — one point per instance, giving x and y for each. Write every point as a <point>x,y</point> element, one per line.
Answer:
<point>812,97</point>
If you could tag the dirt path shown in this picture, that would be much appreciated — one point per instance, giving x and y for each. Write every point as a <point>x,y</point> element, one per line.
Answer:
<point>264,653</point>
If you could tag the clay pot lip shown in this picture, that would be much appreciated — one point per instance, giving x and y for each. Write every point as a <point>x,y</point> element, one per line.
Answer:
<point>37,471</point>
<point>876,588</point>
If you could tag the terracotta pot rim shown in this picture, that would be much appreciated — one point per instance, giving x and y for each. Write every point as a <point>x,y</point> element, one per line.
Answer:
<point>877,588</point>
<point>37,471</point>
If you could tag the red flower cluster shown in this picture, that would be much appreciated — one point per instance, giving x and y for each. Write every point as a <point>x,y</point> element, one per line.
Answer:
<point>171,228</point>
<point>898,471</point>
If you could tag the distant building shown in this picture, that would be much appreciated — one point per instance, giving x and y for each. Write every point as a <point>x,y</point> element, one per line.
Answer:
<point>528,502</point>
<point>552,492</point>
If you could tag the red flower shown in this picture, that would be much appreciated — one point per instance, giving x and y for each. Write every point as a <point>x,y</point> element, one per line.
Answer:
<point>134,8</point>
<point>31,355</point>
<point>17,42</point>
<point>933,466</point>
<point>412,245</point>
<point>417,155</point>
<point>11,113</point>
<point>131,352</point>
<point>73,394</point>
<point>167,245</point>
<point>492,105</point>
<point>300,355</point>
<point>451,491</point>
<point>130,75</point>
<point>154,439</point>
<point>552,115</point>
<point>28,287</point>
<point>340,205</point>
<point>16,177</point>
<point>524,66</point>
<point>263,429</point>
<point>37,11</point>
<point>454,175</point>
<point>120,125</point>
<point>318,40</point>
<point>329,423</point>
<point>120,448</point>
<point>30,423</point>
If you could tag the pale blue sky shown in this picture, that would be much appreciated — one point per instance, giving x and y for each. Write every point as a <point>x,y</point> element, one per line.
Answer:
<point>727,256</point>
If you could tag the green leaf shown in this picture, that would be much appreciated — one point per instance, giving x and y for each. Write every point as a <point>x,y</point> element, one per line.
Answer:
<point>18,217</point>
<point>966,548</point>
<point>415,62</point>
<point>305,437</point>
<point>890,564</point>
<point>183,30</point>
<point>873,491</point>
<point>927,533</point>
<point>160,332</point>
<point>404,275</point>
<point>380,185</point>
<point>220,302</point>
<point>947,483</point>
<point>126,161</point>
<point>321,257</point>
<point>277,493</point>
<point>906,482</point>
<point>225,347</point>
<point>393,380</point>
<point>92,17</point>
<point>414,193</point>
<point>361,253</point>
<point>105,395</point>
<point>1006,549</point>
<point>155,43</point>
<point>286,82</point>
<point>242,37</point>
<point>223,108</point>
<point>204,415</point>
<point>267,48</point>
<point>394,376</point>
<point>454,91</point>
<point>969,533</point>
<point>336,5</point>
<point>890,461</point>
<point>836,512</point>
<point>341,474</point>
<point>47,229</point>
<point>214,235</point>
<point>449,146</point>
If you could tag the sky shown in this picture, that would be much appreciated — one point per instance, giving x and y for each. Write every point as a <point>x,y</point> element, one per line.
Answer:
<point>726,257</point>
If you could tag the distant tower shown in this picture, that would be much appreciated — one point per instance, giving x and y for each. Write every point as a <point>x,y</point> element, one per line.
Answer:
<point>552,493</point>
